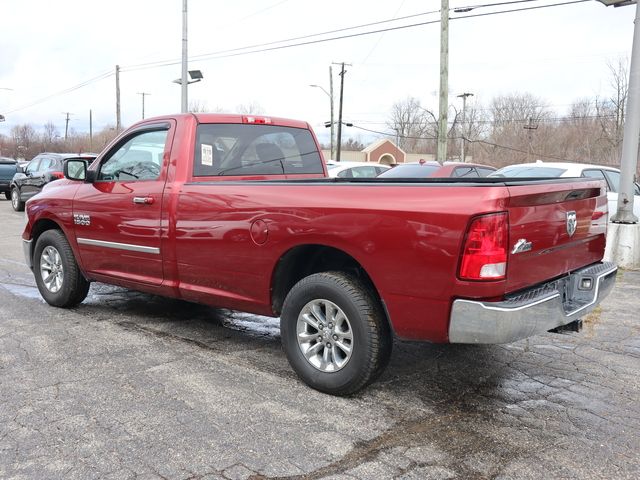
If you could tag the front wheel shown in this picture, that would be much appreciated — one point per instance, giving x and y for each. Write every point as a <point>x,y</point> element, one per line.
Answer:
<point>334,333</point>
<point>58,277</point>
<point>16,203</point>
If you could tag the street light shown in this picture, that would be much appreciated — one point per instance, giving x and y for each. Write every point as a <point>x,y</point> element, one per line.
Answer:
<point>195,75</point>
<point>464,119</point>
<point>330,123</point>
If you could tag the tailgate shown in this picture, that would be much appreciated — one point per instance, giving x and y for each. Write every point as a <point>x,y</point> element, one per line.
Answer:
<point>554,228</point>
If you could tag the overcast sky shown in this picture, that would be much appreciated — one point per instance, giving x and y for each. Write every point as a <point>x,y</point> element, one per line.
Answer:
<point>46,47</point>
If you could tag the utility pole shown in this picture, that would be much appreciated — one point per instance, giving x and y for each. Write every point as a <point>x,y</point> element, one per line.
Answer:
<point>143,94</point>
<point>118,123</point>
<point>530,127</point>
<point>631,137</point>
<point>66,125</point>
<point>464,120</point>
<point>339,141</point>
<point>333,126</point>
<point>91,130</point>
<point>185,81</point>
<point>444,81</point>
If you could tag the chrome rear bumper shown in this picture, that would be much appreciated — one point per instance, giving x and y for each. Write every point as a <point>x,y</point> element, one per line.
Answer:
<point>534,311</point>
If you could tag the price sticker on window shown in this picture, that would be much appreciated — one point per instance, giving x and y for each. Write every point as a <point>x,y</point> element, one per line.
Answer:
<point>207,155</point>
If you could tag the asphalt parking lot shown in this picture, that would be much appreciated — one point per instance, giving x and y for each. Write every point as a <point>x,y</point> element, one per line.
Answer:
<point>129,385</point>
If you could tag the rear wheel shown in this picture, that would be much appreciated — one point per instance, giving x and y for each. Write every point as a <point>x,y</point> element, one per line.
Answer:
<point>16,203</point>
<point>334,333</point>
<point>7,195</point>
<point>58,277</point>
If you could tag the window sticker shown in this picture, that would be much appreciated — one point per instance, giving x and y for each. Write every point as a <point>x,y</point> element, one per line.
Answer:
<point>207,155</point>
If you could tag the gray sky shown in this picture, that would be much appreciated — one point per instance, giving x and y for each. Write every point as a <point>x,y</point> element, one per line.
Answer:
<point>559,54</point>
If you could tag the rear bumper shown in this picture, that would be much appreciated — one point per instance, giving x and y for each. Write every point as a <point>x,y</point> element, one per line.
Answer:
<point>534,311</point>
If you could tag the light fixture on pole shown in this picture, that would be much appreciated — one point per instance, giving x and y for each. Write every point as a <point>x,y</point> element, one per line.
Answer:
<point>331,123</point>
<point>464,122</point>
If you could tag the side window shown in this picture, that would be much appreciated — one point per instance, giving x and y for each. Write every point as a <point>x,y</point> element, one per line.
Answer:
<point>483,172</point>
<point>45,164</point>
<point>465,172</point>
<point>140,158</point>
<point>614,179</point>
<point>33,166</point>
<point>348,173</point>
<point>364,172</point>
<point>242,149</point>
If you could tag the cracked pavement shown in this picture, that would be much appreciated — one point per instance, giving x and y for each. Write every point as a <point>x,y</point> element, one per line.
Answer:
<point>132,386</point>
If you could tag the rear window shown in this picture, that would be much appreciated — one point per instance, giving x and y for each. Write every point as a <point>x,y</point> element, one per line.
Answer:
<point>410,171</point>
<point>529,171</point>
<point>241,149</point>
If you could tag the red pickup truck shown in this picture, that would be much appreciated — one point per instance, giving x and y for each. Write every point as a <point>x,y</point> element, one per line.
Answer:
<point>236,211</point>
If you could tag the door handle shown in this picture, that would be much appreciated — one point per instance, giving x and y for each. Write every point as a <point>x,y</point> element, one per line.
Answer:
<point>143,200</point>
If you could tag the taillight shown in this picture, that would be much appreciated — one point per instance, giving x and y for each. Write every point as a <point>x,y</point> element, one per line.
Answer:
<point>57,175</point>
<point>484,256</point>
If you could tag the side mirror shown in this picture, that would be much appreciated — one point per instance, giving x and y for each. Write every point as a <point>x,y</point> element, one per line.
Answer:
<point>75,169</point>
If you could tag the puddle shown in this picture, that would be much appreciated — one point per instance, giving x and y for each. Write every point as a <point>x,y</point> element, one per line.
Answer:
<point>23,291</point>
<point>253,324</point>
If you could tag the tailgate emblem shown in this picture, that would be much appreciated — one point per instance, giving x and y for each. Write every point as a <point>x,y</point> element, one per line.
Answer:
<point>572,223</point>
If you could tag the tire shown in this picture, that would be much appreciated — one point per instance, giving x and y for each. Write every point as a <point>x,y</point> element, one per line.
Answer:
<point>334,333</point>
<point>7,195</point>
<point>58,277</point>
<point>16,203</point>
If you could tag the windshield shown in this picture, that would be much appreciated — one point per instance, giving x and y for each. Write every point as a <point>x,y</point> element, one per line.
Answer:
<point>528,171</point>
<point>410,171</point>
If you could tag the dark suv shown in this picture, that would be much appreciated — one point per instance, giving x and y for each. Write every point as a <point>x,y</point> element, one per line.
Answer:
<point>42,169</point>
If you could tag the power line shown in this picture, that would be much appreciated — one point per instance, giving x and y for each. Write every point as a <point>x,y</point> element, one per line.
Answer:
<point>220,53</point>
<point>238,51</point>
<point>63,92</point>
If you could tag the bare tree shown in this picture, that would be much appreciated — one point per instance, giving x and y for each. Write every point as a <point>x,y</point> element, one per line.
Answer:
<point>611,109</point>
<point>49,135</point>
<point>412,124</point>
<point>251,108</point>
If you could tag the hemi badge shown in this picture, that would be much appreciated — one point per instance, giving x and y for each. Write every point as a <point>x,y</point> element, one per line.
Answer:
<point>522,245</point>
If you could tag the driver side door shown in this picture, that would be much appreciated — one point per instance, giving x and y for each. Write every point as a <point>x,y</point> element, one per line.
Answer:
<point>118,216</point>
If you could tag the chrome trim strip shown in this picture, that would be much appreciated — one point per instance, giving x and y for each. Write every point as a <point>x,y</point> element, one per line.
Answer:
<point>119,246</point>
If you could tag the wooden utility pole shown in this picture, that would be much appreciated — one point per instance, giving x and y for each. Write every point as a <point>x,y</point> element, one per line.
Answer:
<point>66,125</point>
<point>118,123</point>
<point>342,72</point>
<point>444,81</point>
<point>90,130</point>
<point>530,127</point>
<point>143,94</point>
<point>333,123</point>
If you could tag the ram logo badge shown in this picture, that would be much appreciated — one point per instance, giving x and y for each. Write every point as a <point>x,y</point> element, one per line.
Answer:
<point>572,223</point>
<point>80,219</point>
<point>522,245</point>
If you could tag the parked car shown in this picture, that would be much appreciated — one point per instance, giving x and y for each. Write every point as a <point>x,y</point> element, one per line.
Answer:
<point>42,169</point>
<point>430,169</point>
<point>610,175</point>
<point>355,169</point>
<point>8,168</point>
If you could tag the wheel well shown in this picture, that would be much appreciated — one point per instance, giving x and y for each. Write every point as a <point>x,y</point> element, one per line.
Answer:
<point>305,260</point>
<point>39,228</point>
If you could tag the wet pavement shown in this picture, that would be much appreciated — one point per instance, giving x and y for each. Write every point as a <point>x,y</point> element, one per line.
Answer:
<point>128,385</point>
